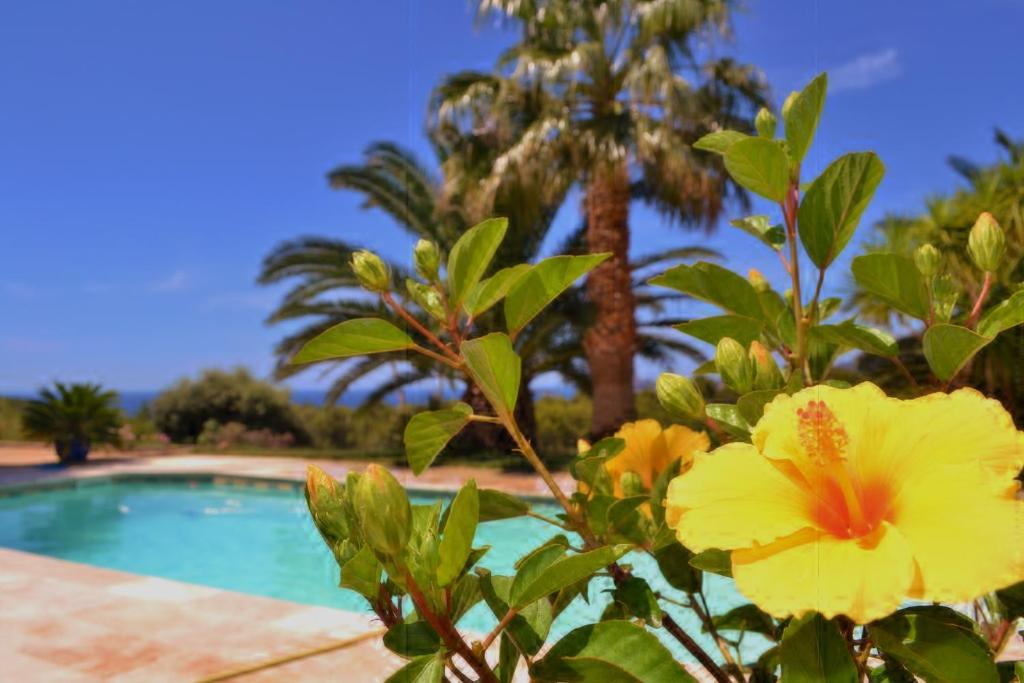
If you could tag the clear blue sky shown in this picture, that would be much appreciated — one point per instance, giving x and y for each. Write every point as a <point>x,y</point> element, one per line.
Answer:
<point>152,153</point>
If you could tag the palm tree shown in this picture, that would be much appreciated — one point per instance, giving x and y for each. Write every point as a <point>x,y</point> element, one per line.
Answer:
<point>945,223</point>
<point>610,95</point>
<point>74,418</point>
<point>391,179</point>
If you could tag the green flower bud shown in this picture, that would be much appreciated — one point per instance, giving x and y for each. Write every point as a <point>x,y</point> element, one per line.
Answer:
<point>426,297</point>
<point>371,271</point>
<point>326,502</point>
<point>734,365</point>
<point>944,296</point>
<point>928,259</point>
<point>987,243</point>
<point>631,484</point>
<point>766,373</point>
<point>680,396</point>
<point>758,280</point>
<point>383,510</point>
<point>427,259</point>
<point>766,123</point>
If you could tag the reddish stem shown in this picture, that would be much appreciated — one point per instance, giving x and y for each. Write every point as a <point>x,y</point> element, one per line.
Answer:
<point>986,287</point>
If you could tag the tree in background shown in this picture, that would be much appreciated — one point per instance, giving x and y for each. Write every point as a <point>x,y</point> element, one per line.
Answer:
<point>439,206</point>
<point>945,224</point>
<point>74,418</point>
<point>609,95</point>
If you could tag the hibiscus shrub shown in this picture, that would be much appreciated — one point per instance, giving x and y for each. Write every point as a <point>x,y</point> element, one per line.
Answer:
<point>876,538</point>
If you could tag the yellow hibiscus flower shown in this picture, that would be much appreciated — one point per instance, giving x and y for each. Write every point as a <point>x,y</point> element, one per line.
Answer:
<point>849,502</point>
<point>650,450</point>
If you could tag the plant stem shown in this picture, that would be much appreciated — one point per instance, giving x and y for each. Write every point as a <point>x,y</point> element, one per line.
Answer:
<point>436,356</point>
<point>700,608</point>
<point>544,518</point>
<point>418,326</point>
<point>789,209</point>
<point>505,621</point>
<point>986,286</point>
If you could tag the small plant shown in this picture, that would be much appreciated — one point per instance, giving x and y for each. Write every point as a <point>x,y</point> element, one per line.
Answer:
<point>75,418</point>
<point>829,505</point>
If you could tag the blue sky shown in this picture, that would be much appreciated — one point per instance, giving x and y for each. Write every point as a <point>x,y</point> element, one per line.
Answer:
<point>152,153</point>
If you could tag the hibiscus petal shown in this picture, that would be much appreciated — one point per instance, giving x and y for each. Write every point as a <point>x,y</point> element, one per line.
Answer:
<point>965,529</point>
<point>864,578</point>
<point>734,498</point>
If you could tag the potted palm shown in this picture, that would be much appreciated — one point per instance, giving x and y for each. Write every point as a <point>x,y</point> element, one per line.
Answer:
<point>74,417</point>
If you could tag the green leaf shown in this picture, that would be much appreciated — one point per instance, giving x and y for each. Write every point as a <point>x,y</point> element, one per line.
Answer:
<point>714,284</point>
<point>412,639</point>
<point>801,116</point>
<point>948,348</point>
<point>362,574</point>
<point>730,419</point>
<point>719,141</point>
<point>356,337</point>
<point>761,227</point>
<point>564,572</point>
<point>761,166</point>
<point>529,628</point>
<point>1012,599</point>
<point>936,643</point>
<point>674,563</point>
<point>543,284</point>
<point>1007,314</point>
<point>508,659</point>
<point>426,434</point>
<point>636,596</point>
<point>747,618</point>
<point>471,255</point>
<point>861,337</point>
<point>609,651</point>
<point>459,529</point>
<point>751,405</point>
<point>492,290</point>
<point>894,279</point>
<point>495,368</point>
<point>425,669</point>
<point>713,329</point>
<point>713,560</point>
<point>814,650</point>
<point>495,505</point>
<point>833,205</point>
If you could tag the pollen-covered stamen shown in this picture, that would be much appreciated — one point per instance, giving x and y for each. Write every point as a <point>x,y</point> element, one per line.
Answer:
<point>821,434</point>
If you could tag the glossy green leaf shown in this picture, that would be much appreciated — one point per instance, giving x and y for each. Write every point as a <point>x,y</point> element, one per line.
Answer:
<point>459,529</point>
<point>529,628</point>
<point>1006,314</point>
<point>508,659</point>
<point>496,368</point>
<point>674,562</point>
<point>832,207</point>
<point>713,329</point>
<point>471,255</point>
<point>729,418</point>
<point>425,669</point>
<point>362,573</point>
<point>616,650</point>
<point>751,405</point>
<point>356,337</point>
<point>1012,599</point>
<point>854,336</point>
<point>564,572</point>
<point>894,279</point>
<point>639,600</point>
<point>493,289</point>
<point>747,618</point>
<point>714,284</point>
<point>719,141</point>
<point>713,560</point>
<point>426,434</point>
<point>948,348</point>
<point>412,639</point>
<point>813,650</point>
<point>495,505</point>
<point>762,228</point>
<point>801,116</point>
<point>543,284</point>
<point>761,166</point>
<point>936,643</point>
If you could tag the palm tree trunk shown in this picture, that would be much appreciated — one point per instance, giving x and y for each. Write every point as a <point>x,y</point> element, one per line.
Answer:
<point>610,342</point>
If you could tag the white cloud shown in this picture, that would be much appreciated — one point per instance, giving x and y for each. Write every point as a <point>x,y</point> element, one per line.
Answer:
<point>866,71</point>
<point>175,282</point>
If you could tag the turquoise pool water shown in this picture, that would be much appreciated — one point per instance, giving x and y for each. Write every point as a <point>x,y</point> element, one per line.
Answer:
<point>259,541</point>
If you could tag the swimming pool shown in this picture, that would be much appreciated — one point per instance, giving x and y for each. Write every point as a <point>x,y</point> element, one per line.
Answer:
<point>257,538</point>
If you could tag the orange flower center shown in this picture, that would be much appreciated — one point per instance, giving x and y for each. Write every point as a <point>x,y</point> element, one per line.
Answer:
<point>843,505</point>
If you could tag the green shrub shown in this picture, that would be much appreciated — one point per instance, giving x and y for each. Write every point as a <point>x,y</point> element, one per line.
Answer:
<point>10,419</point>
<point>182,411</point>
<point>74,418</point>
<point>560,422</point>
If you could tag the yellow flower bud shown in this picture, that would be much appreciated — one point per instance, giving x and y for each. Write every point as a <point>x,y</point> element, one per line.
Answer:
<point>372,272</point>
<point>325,499</point>
<point>734,365</point>
<point>680,396</point>
<point>766,373</point>
<point>766,123</point>
<point>758,280</point>
<point>987,243</point>
<point>383,510</point>
<point>928,259</point>
<point>427,259</point>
